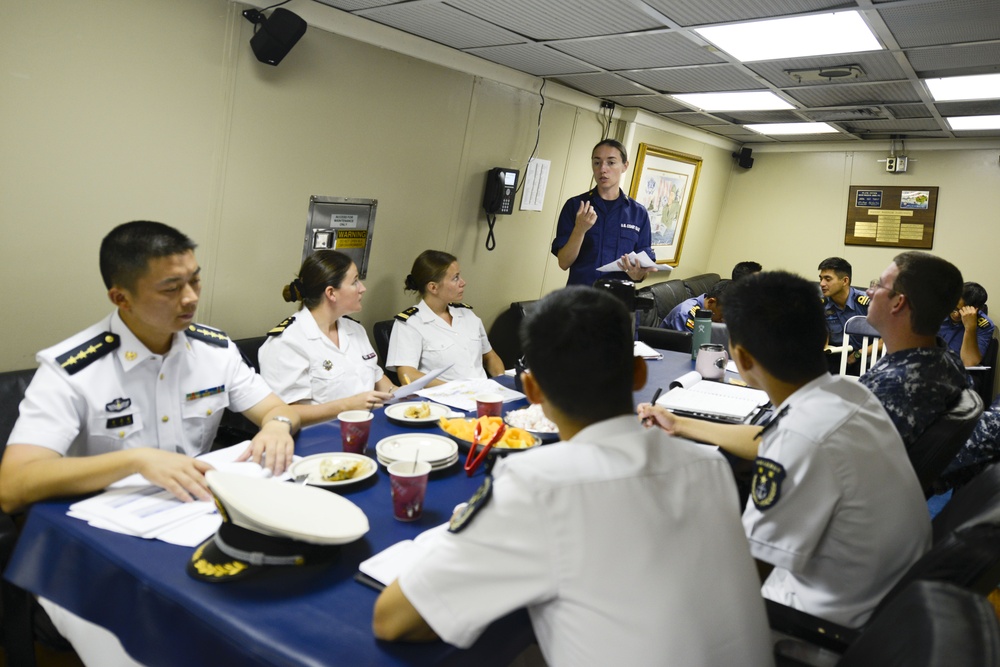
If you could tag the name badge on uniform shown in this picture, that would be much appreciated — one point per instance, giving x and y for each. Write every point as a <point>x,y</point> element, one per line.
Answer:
<point>369,356</point>
<point>118,422</point>
<point>205,392</point>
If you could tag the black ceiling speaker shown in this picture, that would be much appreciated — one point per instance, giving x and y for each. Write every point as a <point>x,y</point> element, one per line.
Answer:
<point>275,35</point>
<point>743,158</point>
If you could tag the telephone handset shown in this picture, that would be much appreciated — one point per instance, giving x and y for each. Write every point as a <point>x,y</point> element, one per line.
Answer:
<point>501,184</point>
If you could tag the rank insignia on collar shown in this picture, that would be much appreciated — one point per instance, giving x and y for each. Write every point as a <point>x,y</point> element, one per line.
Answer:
<point>766,487</point>
<point>478,500</point>
<point>280,327</point>
<point>407,314</point>
<point>194,395</point>
<point>88,352</point>
<point>327,364</point>
<point>207,335</point>
<point>983,323</point>
<point>118,405</point>
<point>130,356</point>
<point>118,422</point>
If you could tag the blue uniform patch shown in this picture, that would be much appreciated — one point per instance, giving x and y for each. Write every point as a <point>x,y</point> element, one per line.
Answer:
<point>766,489</point>
<point>476,503</point>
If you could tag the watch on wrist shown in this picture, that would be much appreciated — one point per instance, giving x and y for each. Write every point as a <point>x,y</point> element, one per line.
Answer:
<point>283,419</point>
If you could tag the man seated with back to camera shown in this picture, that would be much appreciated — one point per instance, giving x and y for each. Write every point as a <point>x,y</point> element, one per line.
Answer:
<point>967,330</point>
<point>745,269</point>
<point>548,531</point>
<point>919,378</point>
<point>681,316</point>
<point>835,506</point>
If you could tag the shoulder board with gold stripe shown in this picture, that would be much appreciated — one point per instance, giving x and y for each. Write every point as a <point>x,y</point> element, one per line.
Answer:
<point>87,353</point>
<point>207,335</point>
<point>863,299</point>
<point>983,323</point>
<point>407,314</point>
<point>280,327</point>
<point>460,305</point>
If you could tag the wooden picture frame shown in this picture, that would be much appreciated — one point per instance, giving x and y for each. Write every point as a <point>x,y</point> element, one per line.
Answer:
<point>664,182</point>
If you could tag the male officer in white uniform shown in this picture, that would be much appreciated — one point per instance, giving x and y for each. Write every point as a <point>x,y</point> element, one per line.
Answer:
<point>141,391</point>
<point>549,532</point>
<point>835,505</point>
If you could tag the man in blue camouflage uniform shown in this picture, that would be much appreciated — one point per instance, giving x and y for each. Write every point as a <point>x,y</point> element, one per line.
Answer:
<point>967,330</point>
<point>979,451</point>
<point>920,378</point>
<point>841,302</point>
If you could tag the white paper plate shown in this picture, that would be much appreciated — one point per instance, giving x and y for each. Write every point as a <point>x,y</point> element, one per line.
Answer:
<point>303,512</point>
<point>310,466</point>
<point>397,413</point>
<point>423,446</point>
<point>439,465</point>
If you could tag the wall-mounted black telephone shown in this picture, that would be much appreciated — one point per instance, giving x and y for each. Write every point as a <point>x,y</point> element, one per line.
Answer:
<point>501,184</point>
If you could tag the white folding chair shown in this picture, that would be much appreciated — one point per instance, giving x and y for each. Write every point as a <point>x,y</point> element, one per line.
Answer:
<point>869,336</point>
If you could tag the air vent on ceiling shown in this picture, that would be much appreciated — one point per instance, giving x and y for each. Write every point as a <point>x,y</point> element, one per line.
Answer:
<point>826,74</point>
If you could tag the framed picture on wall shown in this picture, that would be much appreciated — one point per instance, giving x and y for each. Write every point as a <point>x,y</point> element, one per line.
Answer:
<point>664,182</point>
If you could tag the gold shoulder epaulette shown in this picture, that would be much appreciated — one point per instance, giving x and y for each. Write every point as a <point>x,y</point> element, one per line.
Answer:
<point>207,335</point>
<point>87,353</point>
<point>863,299</point>
<point>460,305</point>
<point>280,327</point>
<point>407,314</point>
<point>983,323</point>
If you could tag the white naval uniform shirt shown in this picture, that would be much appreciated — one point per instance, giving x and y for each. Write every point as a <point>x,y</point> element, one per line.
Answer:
<point>849,517</point>
<point>625,546</point>
<point>302,363</point>
<point>131,397</point>
<point>426,342</point>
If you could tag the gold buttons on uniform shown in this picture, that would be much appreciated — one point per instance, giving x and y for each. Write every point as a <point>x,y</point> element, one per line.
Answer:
<point>164,419</point>
<point>208,413</point>
<point>161,376</point>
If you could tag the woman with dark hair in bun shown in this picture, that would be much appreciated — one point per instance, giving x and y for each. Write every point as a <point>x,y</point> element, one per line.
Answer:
<point>319,360</point>
<point>440,330</point>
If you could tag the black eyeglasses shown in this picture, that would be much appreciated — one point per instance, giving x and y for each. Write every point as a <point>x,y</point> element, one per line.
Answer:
<point>876,285</point>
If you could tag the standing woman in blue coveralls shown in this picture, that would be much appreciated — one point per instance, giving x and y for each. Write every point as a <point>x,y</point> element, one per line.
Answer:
<point>603,225</point>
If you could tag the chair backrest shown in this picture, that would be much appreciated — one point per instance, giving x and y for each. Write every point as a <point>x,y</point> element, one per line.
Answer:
<point>858,325</point>
<point>929,624</point>
<point>13,384</point>
<point>505,334</point>
<point>250,349</point>
<point>931,453</point>
<point>985,379</point>
<point>698,285</point>
<point>976,502</point>
<point>666,296</point>
<point>665,339</point>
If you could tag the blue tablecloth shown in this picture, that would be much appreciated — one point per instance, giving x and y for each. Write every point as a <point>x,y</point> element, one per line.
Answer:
<point>314,615</point>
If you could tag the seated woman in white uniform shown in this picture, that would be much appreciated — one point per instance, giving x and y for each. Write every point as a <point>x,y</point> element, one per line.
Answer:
<point>320,361</point>
<point>440,330</point>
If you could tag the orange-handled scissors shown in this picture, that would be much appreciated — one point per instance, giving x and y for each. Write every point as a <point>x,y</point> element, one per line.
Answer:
<point>472,460</point>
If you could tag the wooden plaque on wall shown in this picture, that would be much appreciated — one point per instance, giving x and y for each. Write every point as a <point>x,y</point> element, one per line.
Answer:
<point>890,215</point>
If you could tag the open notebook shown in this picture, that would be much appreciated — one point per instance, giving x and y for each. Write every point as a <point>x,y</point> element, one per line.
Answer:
<point>718,401</point>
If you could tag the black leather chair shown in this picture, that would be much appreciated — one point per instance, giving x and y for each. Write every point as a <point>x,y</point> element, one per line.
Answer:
<point>985,379</point>
<point>250,348</point>
<point>698,285</point>
<point>931,453</point>
<point>234,427</point>
<point>927,625</point>
<point>976,502</point>
<point>382,330</point>
<point>505,332</point>
<point>665,339</point>
<point>666,296</point>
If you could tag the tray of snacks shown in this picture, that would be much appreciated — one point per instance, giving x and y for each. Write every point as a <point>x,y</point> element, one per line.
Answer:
<point>514,439</point>
<point>534,421</point>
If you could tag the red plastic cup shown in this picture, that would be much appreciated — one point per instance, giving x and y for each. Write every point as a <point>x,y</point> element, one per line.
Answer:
<point>408,480</point>
<point>355,425</point>
<point>489,405</point>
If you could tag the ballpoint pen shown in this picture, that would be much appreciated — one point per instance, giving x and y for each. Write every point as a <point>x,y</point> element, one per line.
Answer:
<point>648,421</point>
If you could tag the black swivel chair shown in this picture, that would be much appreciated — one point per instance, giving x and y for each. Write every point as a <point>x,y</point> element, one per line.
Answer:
<point>984,379</point>
<point>665,339</point>
<point>234,427</point>
<point>382,331</point>
<point>665,296</point>
<point>931,453</point>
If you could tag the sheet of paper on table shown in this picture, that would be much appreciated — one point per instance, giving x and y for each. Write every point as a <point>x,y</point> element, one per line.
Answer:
<point>418,384</point>
<point>133,506</point>
<point>386,566</point>
<point>461,394</point>
<point>644,261</point>
<point>643,350</point>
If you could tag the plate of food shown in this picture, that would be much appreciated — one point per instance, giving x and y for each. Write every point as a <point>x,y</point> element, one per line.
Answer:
<point>514,439</point>
<point>534,421</point>
<point>334,469</point>
<point>416,413</point>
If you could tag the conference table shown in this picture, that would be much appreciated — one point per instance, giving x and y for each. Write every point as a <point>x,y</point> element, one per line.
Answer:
<point>312,615</point>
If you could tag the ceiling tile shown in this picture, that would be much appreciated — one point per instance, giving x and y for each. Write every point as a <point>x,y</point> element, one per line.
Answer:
<point>654,103</point>
<point>560,19</point>
<point>846,94</point>
<point>601,85</point>
<point>706,78</point>
<point>442,24</point>
<point>877,66</point>
<point>969,108</point>
<point>641,51</point>
<point>954,21</point>
<point>938,61</point>
<point>706,12</point>
<point>536,59</point>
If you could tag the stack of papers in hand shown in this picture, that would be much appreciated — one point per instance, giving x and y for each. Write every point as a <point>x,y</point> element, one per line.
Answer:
<point>717,401</point>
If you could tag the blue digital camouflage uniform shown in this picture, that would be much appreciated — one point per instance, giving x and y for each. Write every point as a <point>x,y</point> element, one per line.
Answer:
<point>917,385</point>
<point>980,450</point>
